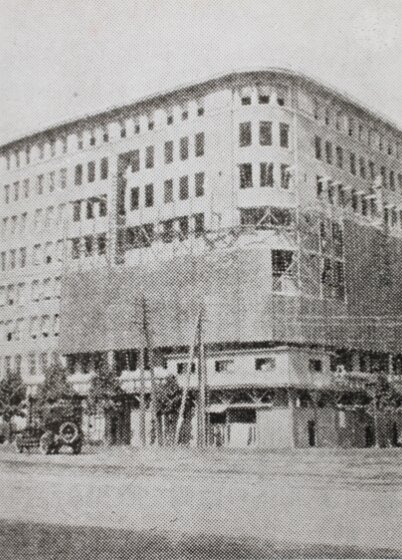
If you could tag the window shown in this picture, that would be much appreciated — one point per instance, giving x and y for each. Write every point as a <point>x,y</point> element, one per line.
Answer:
<point>355,201</point>
<point>245,134</point>
<point>104,168</point>
<point>317,144</point>
<point>57,287</point>
<point>49,216</point>
<point>372,170</point>
<point>23,257</point>
<point>75,248</point>
<point>328,152</point>
<point>52,180</point>
<point>284,135</point>
<point>35,290</point>
<point>182,367</point>
<point>102,207</point>
<point>92,141</point>
<point>13,259</point>
<point>48,252</point>
<point>362,167</point>
<point>149,157</point>
<point>199,184</point>
<point>199,144</point>
<point>10,294</point>
<point>246,100</point>
<point>327,116</point>
<point>36,255</point>
<point>316,110</point>
<point>56,324</point>
<point>47,288</point>
<point>39,184</point>
<point>16,190</point>
<point>183,188</point>
<point>285,176</point>
<point>383,173</point>
<point>101,242</point>
<point>183,227</point>
<point>170,119</point>
<point>135,198</point>
<point>266,174</point>
<point>169,151</point>
<point>34,327</point>
<point>105,137</point>
<point>392,180</point>
<point>315,365</point>
<point>168,191</point>
<point>200,111</point>
<point>135,161</point>
<point>263,99</point>
<point>281,96</point>
<point>265,364</point>
<point>184,148</point>
<point>91,171</point>
<point>25,188</point>
<point>77,211</point>
<point>167,231</point>
<point>32,364</point>
<point>43,362</point>
<point>137,129</point>
<point>283,270</point>
<point>246,175</point>
<point>151,125</point>
<point>351,126</point>
<point>149,195</point>
<point>78,174</point>
<point>88,245</point>
<point>353,163</point>
<point>265,133</point>
<point>6,194</point>
<point>3,261</point>
<point>224,366</point>
<point>199,226</point>
<point>90,210</point>
<point>123,132</point>
<point>63,178</point>
<point>184,115</point>
<point>339,157</point>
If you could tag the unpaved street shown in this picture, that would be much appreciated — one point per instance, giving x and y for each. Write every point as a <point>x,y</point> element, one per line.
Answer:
<point>123,503</point>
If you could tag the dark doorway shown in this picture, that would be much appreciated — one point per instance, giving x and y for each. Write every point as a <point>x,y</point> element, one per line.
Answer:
<point>311,433</point>
<point>114,430</point>
<point>394,435</point>
<point>369,436</point>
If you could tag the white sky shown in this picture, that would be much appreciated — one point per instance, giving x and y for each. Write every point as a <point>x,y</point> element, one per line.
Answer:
<point>62,58</point>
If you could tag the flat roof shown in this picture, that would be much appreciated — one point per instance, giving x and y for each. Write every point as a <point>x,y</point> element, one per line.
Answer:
<point>198,88</point>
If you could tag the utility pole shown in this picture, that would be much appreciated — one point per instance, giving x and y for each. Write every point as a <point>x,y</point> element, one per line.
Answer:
<point>202,386</point>
<point>149,346</point>
<point>142,389</point>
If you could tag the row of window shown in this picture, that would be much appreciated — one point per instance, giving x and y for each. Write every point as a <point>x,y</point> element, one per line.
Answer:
<point>15,330</point>
<point>43,218</point>
<point>354,128</point>
<point>48,253</point>
<point>36,363</point>
<point>41,290</point>
<point>136,237</point>
<point>265,134</point>
<point>168,191</point>
<point>267,175</point>
<point>365,204</point>
<point>59,146</point>
<point>357,165</point>
<point>49,182</point>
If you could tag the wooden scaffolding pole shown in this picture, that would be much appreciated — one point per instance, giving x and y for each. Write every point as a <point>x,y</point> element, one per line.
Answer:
<point>150,351</point>
<point>193,342</point>
<point>142,389</point>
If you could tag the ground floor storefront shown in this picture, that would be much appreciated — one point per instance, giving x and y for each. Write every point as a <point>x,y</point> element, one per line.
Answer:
<point>255,418</point>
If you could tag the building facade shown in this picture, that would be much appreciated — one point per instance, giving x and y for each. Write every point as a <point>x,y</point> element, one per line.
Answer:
<point>268,200</point>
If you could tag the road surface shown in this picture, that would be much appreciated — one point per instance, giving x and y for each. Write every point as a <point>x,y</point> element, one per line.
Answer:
<point>224,504</point>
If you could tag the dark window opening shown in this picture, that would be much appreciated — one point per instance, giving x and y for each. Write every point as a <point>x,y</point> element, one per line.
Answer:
<point>245,134</point>
<point>265,133</point>
<point>246,175</point>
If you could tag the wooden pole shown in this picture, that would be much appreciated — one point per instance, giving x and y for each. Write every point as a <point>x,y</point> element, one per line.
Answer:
<point>149,345</point>
<point>142,390</point>
<point>187,382</point>
<point>202,386</point>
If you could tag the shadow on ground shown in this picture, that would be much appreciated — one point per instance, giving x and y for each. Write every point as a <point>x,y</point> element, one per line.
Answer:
<point>37,541</point>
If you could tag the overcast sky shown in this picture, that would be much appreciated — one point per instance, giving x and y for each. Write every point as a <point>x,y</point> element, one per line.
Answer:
<point>63,58</point>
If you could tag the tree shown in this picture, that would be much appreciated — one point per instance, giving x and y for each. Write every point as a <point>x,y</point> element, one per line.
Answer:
<point>168,400</point>
<point>12,396</point>
<point>105,389</point>
<point>57,400</point>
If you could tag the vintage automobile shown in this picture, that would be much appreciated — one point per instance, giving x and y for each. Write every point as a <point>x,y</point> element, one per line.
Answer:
<point>50,441</point>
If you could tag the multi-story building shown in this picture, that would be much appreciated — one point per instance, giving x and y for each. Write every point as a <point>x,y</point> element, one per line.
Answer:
<point>266,199</point>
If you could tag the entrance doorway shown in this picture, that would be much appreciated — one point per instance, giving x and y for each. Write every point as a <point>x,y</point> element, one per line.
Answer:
<point>311,433</point>
<point>369,436</point>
